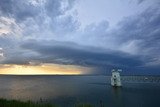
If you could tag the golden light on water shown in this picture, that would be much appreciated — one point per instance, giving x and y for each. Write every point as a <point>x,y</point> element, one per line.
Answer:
<point>45,69</point>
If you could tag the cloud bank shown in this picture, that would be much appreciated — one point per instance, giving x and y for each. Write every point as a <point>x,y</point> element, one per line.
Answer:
<point>49,31</point>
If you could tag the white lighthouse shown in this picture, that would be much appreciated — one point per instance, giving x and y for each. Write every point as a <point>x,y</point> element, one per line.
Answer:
<point>115,78</point>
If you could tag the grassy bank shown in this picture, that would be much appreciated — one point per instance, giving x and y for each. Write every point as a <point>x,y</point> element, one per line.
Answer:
<point>17,103</point>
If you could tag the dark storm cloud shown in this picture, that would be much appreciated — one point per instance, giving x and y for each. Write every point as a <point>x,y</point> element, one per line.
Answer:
<point>68,53</point>
<point>71,53</point>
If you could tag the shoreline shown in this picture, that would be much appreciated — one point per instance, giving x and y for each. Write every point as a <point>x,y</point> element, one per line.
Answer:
<point>18,103</point>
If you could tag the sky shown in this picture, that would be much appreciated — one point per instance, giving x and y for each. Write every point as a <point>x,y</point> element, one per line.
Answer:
<point>80,36</point>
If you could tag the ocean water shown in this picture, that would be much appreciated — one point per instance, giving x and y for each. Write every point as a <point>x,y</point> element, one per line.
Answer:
<point>137,91</point>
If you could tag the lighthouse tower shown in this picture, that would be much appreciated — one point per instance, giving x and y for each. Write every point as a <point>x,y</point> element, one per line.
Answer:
<point>115,78</point>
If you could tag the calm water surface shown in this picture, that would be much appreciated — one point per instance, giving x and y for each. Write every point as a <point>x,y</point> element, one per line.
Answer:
<point>68,90</point>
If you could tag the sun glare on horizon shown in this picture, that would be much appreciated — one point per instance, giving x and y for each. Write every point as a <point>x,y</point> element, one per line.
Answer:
<point>45,69</point>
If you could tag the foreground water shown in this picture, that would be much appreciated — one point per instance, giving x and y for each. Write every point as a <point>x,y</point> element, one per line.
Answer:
<point>65,91</point>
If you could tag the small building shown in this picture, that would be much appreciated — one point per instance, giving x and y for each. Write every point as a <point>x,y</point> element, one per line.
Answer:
<point>115,78</point>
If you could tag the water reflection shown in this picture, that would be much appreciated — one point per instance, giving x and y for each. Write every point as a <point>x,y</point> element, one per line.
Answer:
<point>36,88</point>
<point>117,96</point>
<point>67,90</point>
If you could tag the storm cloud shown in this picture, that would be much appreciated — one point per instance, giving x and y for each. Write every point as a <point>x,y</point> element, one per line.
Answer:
<point>51,31</point>
<point>73,53</point>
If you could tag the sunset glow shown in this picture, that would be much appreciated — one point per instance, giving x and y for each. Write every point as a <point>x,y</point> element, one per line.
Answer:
<point>47,69</point>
